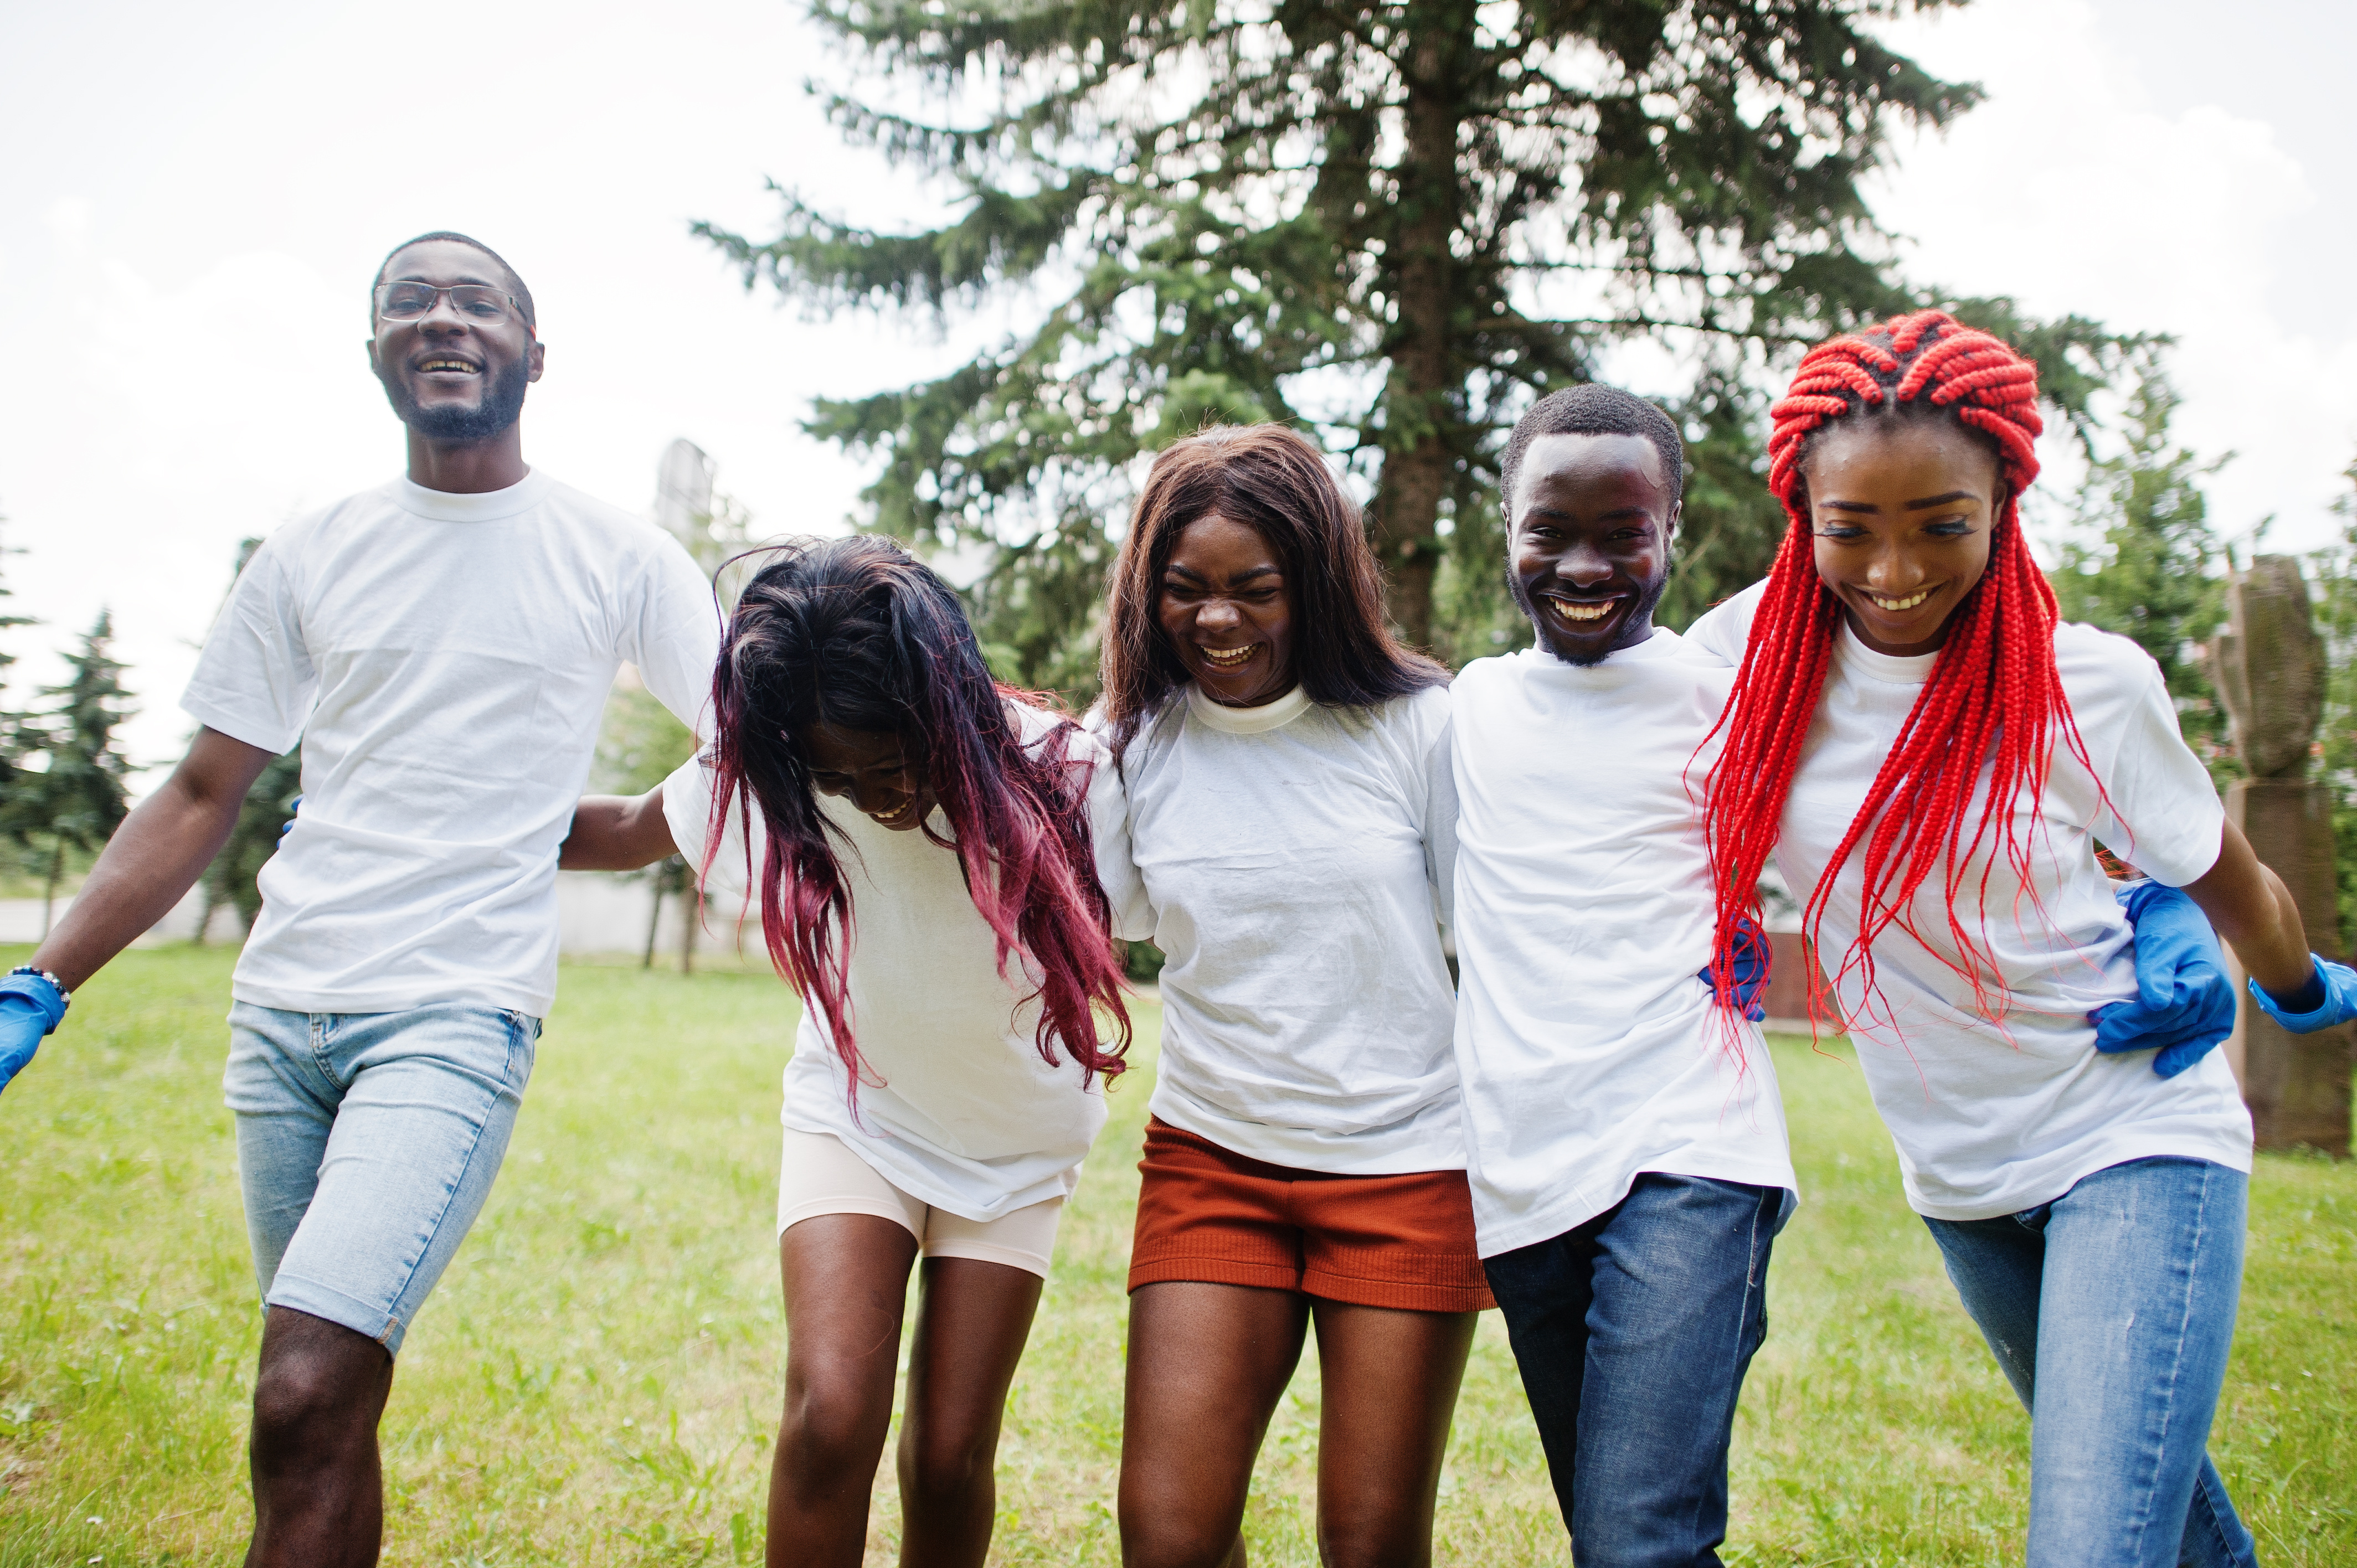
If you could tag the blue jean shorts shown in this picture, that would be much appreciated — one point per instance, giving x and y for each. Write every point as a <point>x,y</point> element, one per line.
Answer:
<point>366,1145</point>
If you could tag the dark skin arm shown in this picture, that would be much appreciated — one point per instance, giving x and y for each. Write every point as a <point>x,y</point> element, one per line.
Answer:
<point>616,833</point>
<point>2254,913</point>
<point>154,857</point>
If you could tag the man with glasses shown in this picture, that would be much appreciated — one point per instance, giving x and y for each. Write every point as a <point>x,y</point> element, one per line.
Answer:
<point>442,646</point>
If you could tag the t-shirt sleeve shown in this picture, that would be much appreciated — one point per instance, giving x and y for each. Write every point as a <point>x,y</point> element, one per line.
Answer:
<point>254,681</point>
<point>1117,874</point>
<point>1440,822</point>
<point>687,807</point>
<point>2165,817</point>
<point>672,632</point>
<point>1719,633</point>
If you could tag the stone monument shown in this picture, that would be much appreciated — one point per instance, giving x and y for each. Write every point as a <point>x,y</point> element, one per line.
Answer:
<point>2270,669</point>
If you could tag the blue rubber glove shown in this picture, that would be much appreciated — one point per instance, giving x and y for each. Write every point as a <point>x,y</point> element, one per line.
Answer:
<point>2184,1004</point>
<point>30,1009</point>
<point>2339,1001</point>
<point>294,807</point>
<point>1752,958</point>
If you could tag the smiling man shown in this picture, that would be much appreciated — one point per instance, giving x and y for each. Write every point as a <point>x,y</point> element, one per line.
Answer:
<point>1624,1134</point>
<point>442,645</point>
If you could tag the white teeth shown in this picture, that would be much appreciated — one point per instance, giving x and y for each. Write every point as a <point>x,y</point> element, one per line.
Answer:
<point>1908,603</point>
<point>1229,657</point>
<point>1577,612</point>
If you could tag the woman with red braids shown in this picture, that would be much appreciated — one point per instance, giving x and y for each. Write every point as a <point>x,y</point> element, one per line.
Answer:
<point>925,846</point>
<point>1930,757</point>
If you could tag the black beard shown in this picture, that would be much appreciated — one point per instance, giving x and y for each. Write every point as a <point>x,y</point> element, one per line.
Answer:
<point>502,405</point>
<point>1645,606</point>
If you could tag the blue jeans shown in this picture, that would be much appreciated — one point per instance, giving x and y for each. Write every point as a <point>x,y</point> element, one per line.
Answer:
<point>1633,1332</point>
<point>2111,1310</point>
<point>366,1145</point>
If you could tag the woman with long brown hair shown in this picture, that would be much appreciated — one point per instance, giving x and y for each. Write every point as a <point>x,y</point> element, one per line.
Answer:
<point>1291,816</point>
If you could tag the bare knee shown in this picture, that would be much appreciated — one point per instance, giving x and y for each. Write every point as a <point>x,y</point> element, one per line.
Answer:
<point>943,1467</point>
<point>833,1424</point>
<point>317,1396</point>
<point>1373,1543</point>
<point>1175,1541</point>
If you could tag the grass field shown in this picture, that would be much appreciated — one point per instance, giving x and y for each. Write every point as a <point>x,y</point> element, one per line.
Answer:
<point>597,1381</point>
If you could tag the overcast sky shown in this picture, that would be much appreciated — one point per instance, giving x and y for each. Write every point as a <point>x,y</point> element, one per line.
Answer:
<point>197,196</point>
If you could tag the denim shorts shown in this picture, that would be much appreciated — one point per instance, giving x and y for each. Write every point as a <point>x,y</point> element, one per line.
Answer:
<point>366,1145</point>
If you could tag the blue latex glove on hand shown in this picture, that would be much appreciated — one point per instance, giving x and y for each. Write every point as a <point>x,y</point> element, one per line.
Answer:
<point>1752,956</point>
<point>30,1008</point>
<point>2184,1004</point>
<point>2339,1001</point>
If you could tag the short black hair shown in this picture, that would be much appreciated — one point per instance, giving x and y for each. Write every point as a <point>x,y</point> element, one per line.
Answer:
<point>515,279</point>
<point>1594,409</point>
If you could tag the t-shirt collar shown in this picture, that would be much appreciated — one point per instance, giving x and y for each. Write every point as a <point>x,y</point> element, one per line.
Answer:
<point>489,506</point>
<point>1247,720</point>
<point>1891,669</point>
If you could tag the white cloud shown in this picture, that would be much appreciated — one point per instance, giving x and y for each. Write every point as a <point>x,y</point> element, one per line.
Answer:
<point>2068,191</point>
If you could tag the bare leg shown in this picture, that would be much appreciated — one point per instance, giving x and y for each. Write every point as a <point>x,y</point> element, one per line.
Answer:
<point>1390,1380</point>
<point>971,1325</point>
<point>318,1487</point>
<point>1207,1365</point>
<point>846,1278</point>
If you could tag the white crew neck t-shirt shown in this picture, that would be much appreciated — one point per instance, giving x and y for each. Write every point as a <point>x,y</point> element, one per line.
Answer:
<point>1989,1117</point>
<point>443,659</point>
<point>1590,1050</point>
<point>1294,858</point>
<point>957,1106</point>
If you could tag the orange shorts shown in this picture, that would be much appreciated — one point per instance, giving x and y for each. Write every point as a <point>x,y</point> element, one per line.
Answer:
<point>1208,1214</point>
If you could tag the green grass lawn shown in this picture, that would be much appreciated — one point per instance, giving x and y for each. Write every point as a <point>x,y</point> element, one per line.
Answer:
<point>597,1381</point>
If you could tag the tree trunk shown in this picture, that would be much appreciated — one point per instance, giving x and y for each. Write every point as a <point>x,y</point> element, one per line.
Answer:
<point>1419,400</point>
<point>690,911</point>
<point>49,889</point>
<point>654,916</point>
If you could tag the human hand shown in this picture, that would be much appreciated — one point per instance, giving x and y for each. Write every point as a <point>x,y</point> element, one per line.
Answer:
<point>30,1006</point>
<point>2184,1004</point>
<point>2337,983</point>
<point>1751,962</point>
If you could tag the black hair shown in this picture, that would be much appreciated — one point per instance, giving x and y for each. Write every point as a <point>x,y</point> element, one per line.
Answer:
<point>859,634</point>
<point>515,279</point>
<point>1594,409</point>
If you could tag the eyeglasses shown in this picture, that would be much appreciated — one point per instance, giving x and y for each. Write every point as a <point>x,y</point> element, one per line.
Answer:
<point>475,301</point>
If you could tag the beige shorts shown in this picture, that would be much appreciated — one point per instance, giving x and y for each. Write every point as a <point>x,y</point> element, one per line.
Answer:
<point>818,1174</point>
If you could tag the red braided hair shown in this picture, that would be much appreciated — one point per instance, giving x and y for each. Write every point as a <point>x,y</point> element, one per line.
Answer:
<point>1993,696</point>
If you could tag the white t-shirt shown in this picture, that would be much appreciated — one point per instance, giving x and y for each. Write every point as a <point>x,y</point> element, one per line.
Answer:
<point>1293,859</point>
<point>443,659</point>
<point>1992,1118</point>
<point>957,1106</point>
<point>1589,1049</point>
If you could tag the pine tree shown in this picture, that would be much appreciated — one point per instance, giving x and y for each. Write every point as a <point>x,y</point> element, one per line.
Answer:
<point>1391,223</point>
<point>2145,563</point>
<point>78,799</point>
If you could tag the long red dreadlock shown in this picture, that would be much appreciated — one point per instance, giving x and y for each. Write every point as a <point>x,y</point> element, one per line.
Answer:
<point>1993,697</point>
